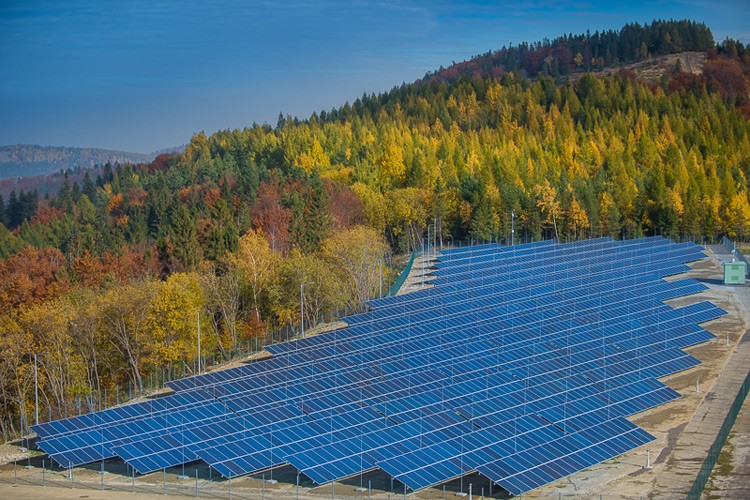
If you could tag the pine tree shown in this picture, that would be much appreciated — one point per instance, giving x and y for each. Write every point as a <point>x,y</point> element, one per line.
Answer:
<point>317,219</point>
<point>183,239</point>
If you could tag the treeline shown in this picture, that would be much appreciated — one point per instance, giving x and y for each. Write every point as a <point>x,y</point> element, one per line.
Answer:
<point>104,328</point>
<point>245,224</point>
<point>586,52</point>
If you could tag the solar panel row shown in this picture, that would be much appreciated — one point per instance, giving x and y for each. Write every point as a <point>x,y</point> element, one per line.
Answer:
<point>521,364</point>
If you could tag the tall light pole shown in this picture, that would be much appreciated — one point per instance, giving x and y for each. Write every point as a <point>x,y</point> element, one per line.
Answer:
<point>36,394</point>
<point>199,344</point>
<point>302,306</point>
<point>36,390</point>
<point>512,227</point>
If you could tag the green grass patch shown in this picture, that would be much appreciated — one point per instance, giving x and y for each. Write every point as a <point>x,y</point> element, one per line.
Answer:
<point>724,465</point>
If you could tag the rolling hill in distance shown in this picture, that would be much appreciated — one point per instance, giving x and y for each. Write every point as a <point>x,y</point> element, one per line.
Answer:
<point>29,167</point>
<point>24,160</point>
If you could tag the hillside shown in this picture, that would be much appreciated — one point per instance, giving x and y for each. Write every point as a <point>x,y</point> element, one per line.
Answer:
<point>24,160</point>
<point>114,268</point>
<point>571,55</point>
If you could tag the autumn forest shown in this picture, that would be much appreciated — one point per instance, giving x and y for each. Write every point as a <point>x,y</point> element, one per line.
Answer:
<point>109,280</point>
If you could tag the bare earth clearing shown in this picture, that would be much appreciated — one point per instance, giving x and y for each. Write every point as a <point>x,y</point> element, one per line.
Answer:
<point>684,429</point>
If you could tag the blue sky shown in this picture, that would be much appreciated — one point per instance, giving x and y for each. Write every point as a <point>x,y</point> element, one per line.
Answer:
<point>141,75</point>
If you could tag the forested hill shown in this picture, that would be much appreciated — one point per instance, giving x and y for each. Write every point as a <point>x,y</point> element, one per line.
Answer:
<point>569,54</point>
<point>24,160</point>
<point>107,275</point>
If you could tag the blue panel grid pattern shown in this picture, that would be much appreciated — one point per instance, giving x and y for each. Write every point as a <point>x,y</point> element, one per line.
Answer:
<point>494,370</point>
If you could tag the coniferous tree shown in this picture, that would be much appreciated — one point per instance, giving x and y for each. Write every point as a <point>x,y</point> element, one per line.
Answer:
<point>183,239</point>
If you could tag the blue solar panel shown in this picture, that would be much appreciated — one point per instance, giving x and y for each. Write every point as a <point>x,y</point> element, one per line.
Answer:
<point>491,370</point>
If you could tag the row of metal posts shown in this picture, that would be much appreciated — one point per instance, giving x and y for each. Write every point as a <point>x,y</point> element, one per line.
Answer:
<point>263,483</point>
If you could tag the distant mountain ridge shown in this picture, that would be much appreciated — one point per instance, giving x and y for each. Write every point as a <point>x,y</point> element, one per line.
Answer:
<point>24,160</point>
<point>576,54</point>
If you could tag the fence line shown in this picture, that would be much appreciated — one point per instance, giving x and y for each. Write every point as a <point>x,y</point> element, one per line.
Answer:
<point>404,274</point>
<point>713,453</point>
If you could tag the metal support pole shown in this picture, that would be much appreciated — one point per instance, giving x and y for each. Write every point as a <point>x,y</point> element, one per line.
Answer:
<point>36,394</point>
<point>404,492</point>
<point>381,279</point>
<point>423,263</point>
<point>298,486</point>
<point>698,385</point>
<point>164,471</point>
<point>434,238</point>
<point>429,239</point>
<point>648,459</point>
<point>42,472</point>
<point>302,307</point>
<point>302,310</point>
<point>230,487</point>
<point>132,483</point>
<point>199,342</point>
<point>196,483</point>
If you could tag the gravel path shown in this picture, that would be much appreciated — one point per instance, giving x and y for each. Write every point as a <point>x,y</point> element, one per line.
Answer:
<point>693,444</point>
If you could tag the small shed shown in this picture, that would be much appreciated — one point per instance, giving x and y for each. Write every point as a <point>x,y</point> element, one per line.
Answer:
<point>734,273</point>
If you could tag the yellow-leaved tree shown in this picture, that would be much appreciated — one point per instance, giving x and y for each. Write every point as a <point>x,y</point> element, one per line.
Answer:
<point>223,301</point>
<point>308,278</point>
<point>738,213</point>
<point>257,266</point>
<point>392,166</point>
<point>16,373</point>
<point>315,157</point>
<point>122,317</point>
<point>549,205</point>
<point>358,253</point>
<point>172,334</point>
<point>49,323</point>
<point>406,216</point>
<point>373,205</point>
<point>577,218</point>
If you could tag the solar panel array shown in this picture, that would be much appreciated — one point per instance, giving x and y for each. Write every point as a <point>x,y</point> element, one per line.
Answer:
<point>520,364</point>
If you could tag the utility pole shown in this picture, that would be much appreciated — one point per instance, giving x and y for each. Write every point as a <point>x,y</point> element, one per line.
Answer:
<point>381,279</point>
<point>36,394</point>
<point>512,227</point>
<point>428,238</point>
<point>302,307</point>
<point>199,343</point>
